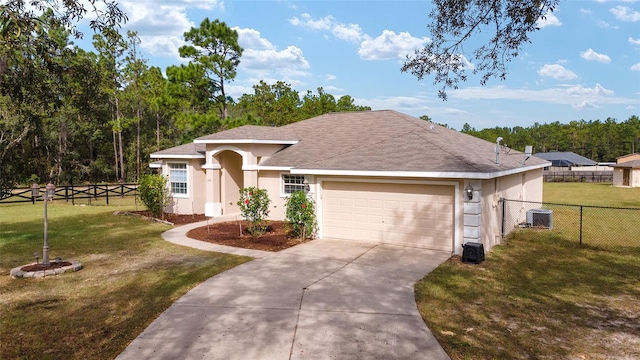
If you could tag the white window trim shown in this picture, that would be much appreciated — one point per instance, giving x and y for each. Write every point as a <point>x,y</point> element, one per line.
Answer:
<point>188,181</point>
<point>283,194</point>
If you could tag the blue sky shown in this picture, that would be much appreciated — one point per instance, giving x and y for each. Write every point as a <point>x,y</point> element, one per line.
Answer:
<point>583,64</point>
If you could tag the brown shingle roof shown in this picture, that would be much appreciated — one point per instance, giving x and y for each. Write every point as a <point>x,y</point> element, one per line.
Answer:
<point>251,132</point>
<point>190,150</point>
<point>386,140</point>
<point>382,140</point>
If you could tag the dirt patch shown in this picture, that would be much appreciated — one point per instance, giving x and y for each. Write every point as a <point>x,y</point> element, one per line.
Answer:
<point>228,233</point>
<point>41,267</point>
<point>176,219</point>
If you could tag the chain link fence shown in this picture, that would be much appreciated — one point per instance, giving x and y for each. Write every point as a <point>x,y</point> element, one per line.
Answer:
<point>614,228</point>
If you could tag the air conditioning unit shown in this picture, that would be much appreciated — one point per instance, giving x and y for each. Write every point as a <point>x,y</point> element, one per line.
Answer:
<point>540,218</point>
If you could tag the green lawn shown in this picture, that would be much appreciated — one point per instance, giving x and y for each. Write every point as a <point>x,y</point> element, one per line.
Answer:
<point>130,276</point>
<point>542,295</point>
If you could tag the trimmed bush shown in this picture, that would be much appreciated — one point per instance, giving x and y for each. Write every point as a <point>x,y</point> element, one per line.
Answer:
<point>154,193</point>
<point>300,216</point>
<point>254,206</point>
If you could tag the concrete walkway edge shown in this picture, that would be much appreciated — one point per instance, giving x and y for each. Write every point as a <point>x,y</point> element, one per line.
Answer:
<point>178,235</point>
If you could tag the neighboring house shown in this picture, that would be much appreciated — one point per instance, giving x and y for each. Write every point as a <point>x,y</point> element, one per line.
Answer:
<point>375,175</point>
<point>567,160</point>
<point>626,171</point>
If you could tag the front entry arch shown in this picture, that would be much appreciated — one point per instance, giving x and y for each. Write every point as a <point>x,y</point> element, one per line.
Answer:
<point>231,180</point>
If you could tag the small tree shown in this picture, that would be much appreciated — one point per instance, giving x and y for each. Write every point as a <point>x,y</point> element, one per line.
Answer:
<point>154,193</point>
<point>300,216</point>
<point>254,206</point>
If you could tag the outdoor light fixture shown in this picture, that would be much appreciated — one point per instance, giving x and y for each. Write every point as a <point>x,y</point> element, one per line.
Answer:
<point>35,190</point>
<point>307,187</point>
<point>469,191</point>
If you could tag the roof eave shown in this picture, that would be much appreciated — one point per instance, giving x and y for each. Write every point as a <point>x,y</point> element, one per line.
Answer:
<point>420,174</point>
<point>176,156</point>
<point>245,141</point>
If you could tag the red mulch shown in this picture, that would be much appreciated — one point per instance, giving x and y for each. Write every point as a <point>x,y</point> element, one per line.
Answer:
<point>228,233</point>
<point>40,267</point>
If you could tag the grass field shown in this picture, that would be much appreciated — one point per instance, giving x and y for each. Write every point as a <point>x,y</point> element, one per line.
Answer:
<point>542,295</point>
<point>130,276</point>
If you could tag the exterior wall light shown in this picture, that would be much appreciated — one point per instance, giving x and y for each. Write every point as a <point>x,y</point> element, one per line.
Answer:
<point>469,191</point>
<point>307,187</point>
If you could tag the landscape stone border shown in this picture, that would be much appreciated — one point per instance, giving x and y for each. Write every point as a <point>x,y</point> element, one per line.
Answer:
<point>17,273</point>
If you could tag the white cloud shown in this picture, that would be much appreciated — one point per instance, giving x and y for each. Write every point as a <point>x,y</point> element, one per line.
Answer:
<point>351,32</point>
<point>585,11</point>
<point>557,72</point>
<point>578,96</point>
<point>252,39</point>
<point>585,104</point>
<point>579,90</point>
<point>635,67</point>
<point>390,45</point>
<point>549,20</point>
<point>324,23</point>
<point>590,54</point>
<point>625,14</point>
<point>331,77</point>
<point>634,41</point>
<point>289,58</point>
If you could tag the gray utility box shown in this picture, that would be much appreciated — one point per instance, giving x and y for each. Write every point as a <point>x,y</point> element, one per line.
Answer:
<point>540,218</point>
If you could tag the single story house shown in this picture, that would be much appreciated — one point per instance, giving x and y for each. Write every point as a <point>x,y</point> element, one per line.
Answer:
<point>567,160</point>
<point>626,171</point>
<point>374,175</point>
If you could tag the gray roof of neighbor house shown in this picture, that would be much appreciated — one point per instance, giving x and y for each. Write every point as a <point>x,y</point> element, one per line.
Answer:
<point>565,158</point>
<point>186,151</point>
<point>633,164</point>
<point>376,141</point>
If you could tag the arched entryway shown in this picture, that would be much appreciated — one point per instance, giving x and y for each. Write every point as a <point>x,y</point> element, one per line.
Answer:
<point>231,180</point>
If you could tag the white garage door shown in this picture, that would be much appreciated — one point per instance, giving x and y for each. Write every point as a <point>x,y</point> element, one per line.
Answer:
<point>405,214</point>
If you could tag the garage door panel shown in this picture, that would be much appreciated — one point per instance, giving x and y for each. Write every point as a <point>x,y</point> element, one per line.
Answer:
<point>408,214</point>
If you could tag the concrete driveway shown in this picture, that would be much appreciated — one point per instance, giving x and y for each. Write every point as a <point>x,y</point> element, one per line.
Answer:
<point>325,299</point>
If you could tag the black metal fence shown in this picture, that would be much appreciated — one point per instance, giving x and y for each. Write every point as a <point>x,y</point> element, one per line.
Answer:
<point>74,193</point>
<point>595,226</point>
<point>578,176</point>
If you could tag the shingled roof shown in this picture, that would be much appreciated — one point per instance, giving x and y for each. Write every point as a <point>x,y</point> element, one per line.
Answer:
<point>387,140</point>
<point>565,158</point>
<point>376,141</point>
<point>186,151</point>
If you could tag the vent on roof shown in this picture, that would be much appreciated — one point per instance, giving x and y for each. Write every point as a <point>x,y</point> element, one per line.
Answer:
<point>540,218</point>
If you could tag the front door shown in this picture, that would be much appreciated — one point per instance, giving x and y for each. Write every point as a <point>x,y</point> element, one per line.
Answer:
<point>626,174</point>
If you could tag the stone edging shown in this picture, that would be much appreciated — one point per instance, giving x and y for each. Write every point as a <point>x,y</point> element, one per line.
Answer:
<point>17,273</point>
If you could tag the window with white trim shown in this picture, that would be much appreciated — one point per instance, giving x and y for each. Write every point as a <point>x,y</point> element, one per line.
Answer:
<point>178,178</point>
<point>292,183</point>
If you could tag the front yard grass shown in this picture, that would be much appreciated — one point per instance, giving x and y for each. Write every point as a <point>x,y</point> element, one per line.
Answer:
<point>130,276</point>
<point>540,295</point>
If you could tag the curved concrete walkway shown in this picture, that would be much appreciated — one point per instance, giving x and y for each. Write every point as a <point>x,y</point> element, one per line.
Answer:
<point>324,299</point>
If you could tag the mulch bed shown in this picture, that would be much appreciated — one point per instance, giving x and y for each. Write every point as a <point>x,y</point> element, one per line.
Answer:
<point>41,267</point>
<point>228,233</point>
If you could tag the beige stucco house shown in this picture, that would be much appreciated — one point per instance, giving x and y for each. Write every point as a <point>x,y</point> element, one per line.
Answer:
<point>376,175</point>
<point>626,171</point>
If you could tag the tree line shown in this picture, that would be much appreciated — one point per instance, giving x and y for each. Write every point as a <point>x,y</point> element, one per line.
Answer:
<point>69,115</point>
<point>601,141</point>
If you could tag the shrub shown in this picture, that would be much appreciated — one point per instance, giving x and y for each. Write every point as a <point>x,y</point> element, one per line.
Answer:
<point>300,216</point>
<point>154,193</point>
<point>254,206</point>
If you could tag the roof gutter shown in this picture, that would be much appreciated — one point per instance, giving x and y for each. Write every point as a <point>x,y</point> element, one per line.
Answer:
<point>419,174</point>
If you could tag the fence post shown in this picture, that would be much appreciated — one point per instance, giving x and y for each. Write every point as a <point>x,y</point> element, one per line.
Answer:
<point>106,188</point>
<point>73,195</point>
<point>580,224</point>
